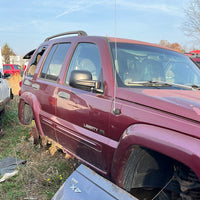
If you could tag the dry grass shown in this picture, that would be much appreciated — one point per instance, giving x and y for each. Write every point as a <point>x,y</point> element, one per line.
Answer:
<point>14,83</point>
<point>40,177</point>
<point>43,174</point>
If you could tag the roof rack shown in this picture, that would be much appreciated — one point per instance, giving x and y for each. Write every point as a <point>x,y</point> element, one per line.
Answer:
<point>80,33</point>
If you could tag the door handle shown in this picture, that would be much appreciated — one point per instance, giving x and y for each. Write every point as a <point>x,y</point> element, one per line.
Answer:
<point>35,86</point>
<point>27,82</point>
<point>64,95</point>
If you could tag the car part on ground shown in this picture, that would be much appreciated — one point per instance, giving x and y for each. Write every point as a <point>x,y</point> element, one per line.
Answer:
<point>85,184</point>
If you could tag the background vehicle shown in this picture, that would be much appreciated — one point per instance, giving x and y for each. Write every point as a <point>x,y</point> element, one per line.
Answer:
<point>195,56</point>
<point>11,69</point>
<point>128,109</point>
<point>196,60</point>
<point>5,90</point>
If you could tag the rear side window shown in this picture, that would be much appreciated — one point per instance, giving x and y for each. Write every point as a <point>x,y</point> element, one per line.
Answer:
<point>54,61</point>
<point>35,61</point>
<point>7,67</point>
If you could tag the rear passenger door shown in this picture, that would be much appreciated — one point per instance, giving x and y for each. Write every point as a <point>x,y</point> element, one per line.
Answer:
<point>83,116</point>
<point>46,86</point>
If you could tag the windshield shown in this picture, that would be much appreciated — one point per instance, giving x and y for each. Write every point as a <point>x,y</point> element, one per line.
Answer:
<point>16,66</point>
<point>137,65</point>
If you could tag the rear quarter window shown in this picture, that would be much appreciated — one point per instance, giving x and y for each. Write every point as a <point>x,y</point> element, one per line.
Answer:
<point>35,61</point>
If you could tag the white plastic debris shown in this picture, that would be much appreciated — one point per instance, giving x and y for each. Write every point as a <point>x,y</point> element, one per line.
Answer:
<point>9,167</point>
<point>8,175</point>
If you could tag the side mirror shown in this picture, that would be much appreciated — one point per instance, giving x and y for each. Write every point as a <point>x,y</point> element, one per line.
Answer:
<point>82,79</point>
<point>6,76</point>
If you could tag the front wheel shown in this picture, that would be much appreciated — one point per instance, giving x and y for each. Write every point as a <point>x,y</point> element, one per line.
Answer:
<point>146,173</point>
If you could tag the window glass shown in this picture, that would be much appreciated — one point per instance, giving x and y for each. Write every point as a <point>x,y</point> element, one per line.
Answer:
<point>7,67</point>
<point>147,66</point>
<point>86,57</point>
<point>16,66</point>
<point>35,61</point>
<point>54,61</point>
<point>47,61</point>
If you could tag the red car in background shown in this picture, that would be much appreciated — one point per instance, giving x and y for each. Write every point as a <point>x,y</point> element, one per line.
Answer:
<point>197,60</point>
<point>195,56</point>
<point>11,69</point>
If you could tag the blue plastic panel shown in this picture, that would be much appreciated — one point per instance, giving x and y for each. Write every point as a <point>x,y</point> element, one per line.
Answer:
<point>85,184</point>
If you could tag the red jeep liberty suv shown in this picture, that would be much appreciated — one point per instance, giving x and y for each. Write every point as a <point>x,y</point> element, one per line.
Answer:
<point>128,109</point>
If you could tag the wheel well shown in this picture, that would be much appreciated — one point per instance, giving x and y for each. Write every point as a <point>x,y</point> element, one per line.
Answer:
<point>27,114</point>
<point>146,168</point>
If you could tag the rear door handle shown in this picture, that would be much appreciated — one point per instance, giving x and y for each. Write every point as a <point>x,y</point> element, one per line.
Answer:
<point>36,86</point>
<point>64,95</point>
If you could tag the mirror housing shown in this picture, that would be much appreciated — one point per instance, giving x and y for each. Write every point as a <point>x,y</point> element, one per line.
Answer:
<point>6,76</point>
<point>82,79</point>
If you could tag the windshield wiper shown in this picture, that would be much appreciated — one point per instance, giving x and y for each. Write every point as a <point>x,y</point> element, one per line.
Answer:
<point>195,87</point>
<point>149,83</point>
<point>165,84</point>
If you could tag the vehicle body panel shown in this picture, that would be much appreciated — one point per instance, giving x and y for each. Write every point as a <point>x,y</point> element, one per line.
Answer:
<point>182,106</point>
<point>5,90</point>
<point>5,93</point>
<point>176,145</point>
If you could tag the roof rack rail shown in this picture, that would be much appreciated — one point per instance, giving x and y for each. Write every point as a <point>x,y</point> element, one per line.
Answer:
<point>80,33</point>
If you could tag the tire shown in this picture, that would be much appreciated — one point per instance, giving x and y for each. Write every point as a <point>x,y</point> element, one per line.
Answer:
<point>167,195</point>
<point>27,114</point>
<point>146,172</point>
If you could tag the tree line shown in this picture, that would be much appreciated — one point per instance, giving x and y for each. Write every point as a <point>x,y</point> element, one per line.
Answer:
<point>6,52</point>
<point>191,28</point>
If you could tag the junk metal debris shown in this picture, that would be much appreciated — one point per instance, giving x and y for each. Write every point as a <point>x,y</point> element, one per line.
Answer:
<point>85,184</point>
<point>8,167</point>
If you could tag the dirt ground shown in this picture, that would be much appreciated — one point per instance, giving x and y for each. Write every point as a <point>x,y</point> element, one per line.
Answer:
<point>14,83</point>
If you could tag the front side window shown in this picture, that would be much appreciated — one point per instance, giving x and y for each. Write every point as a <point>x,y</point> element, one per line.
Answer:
<point>147,66</point>
<point>54,61</point>
<point>86,57</point>
<point>16,67</point>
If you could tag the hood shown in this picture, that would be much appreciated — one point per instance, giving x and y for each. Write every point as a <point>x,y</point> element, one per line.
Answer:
<point>185,103</point>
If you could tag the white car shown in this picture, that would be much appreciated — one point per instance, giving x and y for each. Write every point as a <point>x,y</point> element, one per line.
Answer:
<point>5,90</point>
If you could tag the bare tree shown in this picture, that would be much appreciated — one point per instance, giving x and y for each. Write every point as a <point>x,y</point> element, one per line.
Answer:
<point>191,25</point>
<point>7,52</point>
<point>176,46</point>
<point>165,43</point>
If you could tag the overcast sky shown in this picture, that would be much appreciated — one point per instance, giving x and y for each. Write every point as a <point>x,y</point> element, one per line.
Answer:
<point>25,24</point>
